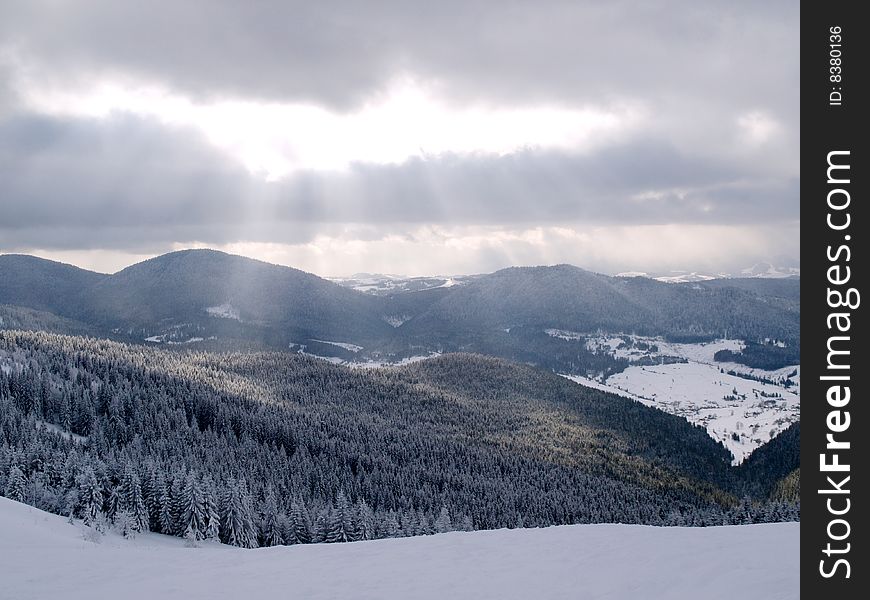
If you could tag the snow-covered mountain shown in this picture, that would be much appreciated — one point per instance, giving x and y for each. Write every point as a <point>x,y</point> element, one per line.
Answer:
<point>767,270</point>
<point>759,270</point>
<point>381,285</point>
<point>385,284</point>
<point>44,556</point>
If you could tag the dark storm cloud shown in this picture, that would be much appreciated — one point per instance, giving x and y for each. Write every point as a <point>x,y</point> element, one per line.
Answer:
<point>128,182</point>
<point>339,52</point>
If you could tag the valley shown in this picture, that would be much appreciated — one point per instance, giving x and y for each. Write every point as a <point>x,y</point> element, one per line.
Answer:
<point>692,349</point>
<point>741,407</point>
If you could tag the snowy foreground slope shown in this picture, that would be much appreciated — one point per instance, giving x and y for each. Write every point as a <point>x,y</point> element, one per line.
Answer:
<point>42,556</point>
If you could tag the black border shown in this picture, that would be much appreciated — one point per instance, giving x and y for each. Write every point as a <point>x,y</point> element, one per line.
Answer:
<point>825,128</point>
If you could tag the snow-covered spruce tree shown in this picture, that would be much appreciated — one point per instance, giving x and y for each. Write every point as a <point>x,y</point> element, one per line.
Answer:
<point>299,530</point>
<point>131,500</point>
<point>250,515</point>
<point>389,525</point>
<point>194,514</point>
<point>270,529</point>
<point>191,537</point>
<point>90,497</point>
<point>365,521</point>
<point>15,485</point>
<point>421,525</point>
<point>113,503</point>
<point>466,524</point>
<point>176,503</point>
<point>152,488</point>
<point>321,524</point>
<point>125,524</point>
<point>167,522</point>
<point>341,527</point>
<point>237,525</point>
<point>212,515</point>
<point>443,523</point>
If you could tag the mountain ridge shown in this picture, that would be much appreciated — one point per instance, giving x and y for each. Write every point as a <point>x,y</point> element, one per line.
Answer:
<point>219,298</point>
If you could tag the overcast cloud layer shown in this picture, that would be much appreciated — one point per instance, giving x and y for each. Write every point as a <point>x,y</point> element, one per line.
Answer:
<point>446,137</point>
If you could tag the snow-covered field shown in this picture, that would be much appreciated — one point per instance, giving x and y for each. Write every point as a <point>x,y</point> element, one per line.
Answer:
<point>346,345</point>
<point>224,311</point>
<point>741,413</point>
<point>42,556</point>
<point>377,284</point>
<point>377,364</point>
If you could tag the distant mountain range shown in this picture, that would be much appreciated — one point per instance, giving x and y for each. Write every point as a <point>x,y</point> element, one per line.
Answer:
<point>758,270</point>
<point>385,284</point>
<point>212,298</point>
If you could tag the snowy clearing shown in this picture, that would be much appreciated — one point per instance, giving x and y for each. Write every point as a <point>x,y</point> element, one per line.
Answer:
<point>160,339</point>
<point>396,320</point>
<point>79,439</point>
<point>224,311</point>
<point>378,364</point>
<point>740,412</point>
<point>42,556</point>
<point>346,345</point>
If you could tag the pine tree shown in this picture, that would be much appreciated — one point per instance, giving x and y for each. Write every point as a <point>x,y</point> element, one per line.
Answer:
<point>365,521</point>
<point>321,524</point>
<point>16,485</point>
<point>194,514</point>
<point>132,501</point>
<point>191,537</point>
<point>420,523</point>
<point>125,524</point>
<point>113,503</point>
<point>176,503</point>
<point>389,526</point>
<point>467,524</point>
<point>340,526</point>
<point>300,524</point>
<point>212,516</point>
<point>248,511</point>
<point>237,527</point>
<point>166,518</point>
<point>443,523</point>
<point>270,521</point>
<point>90,497</point>
<point>152,488</point>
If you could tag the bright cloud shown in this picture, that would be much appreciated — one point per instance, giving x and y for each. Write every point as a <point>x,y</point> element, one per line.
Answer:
<point>758,127</point>
<point>277,139</point>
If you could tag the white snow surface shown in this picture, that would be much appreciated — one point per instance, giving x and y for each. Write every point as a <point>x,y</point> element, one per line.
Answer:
<point>43,556</point>
<point>683,277</point>
<point>396,320</point>
<point>378,364</point>
<point>345,345</point>
<point>81,439</point>
<point>726,405</point>
<point>224,311</point>
<point>159,339</point>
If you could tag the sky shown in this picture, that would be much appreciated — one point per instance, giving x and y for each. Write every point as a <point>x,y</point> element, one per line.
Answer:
<point>406,137</point>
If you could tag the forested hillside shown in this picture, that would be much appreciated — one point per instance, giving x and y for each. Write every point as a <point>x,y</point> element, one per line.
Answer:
<point>222,301</point>
<point>268,448</point>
